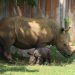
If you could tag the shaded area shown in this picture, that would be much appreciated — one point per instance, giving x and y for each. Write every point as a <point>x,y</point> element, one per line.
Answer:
<point>56,59</point>
<point>19,66</point>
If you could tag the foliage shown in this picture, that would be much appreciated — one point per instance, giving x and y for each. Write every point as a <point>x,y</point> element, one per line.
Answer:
<point>20,2</point>
<point>66,22</point>
<point>1,1</point>
<point>29,2</point>
<point>73,43</point>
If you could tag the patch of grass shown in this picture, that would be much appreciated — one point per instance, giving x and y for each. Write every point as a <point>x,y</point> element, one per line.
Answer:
<point>73,43</point>
<point>68,69</point>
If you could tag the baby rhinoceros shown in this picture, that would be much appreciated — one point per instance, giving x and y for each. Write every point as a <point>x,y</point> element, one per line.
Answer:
<point>39,55</point>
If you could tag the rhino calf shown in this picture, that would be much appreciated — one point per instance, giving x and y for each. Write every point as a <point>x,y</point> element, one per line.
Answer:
<point>39,55</point>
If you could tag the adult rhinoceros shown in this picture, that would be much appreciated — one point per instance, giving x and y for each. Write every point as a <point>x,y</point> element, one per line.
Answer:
<point>28,33</point>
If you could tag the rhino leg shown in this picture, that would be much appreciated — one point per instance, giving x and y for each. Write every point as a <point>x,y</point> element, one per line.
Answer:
<point>1,52</point>
<point>6,50</point>
<point>49,58</point>
<point>4,54</point>
<point>7,56</point>
<point>32,60</point>
<point>39,61</point>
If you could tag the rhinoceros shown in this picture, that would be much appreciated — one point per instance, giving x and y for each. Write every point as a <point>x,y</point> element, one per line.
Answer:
<point>39,55</point>
<point>26,33</point>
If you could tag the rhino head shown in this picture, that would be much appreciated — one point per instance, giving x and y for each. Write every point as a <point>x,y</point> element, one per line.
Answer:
<point>62,44</point>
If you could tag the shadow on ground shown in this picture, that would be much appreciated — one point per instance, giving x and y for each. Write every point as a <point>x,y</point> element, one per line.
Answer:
<point>15,68</point>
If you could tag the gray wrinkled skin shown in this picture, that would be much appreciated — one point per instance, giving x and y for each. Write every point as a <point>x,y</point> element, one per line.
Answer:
<point>39,56</point>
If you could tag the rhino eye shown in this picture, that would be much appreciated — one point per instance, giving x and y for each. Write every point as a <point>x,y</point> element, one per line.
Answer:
<point>64,44</point>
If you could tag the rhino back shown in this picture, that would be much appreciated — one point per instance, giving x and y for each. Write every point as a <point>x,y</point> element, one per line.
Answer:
<point>33,31</point>
<point>28,32</point>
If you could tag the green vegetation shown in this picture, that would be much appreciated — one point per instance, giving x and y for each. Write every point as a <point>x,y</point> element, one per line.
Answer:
<point>29,2</point>
<point>59,66</point>
<point>68,69</point>
<point>73,44</point>
<point>66,22</point>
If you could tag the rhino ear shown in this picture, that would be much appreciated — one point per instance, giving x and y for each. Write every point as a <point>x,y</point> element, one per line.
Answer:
<point>67,29</point>
<point>62,30</point>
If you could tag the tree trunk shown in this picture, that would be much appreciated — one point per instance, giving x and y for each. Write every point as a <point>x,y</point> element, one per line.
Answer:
<point>14,10</point>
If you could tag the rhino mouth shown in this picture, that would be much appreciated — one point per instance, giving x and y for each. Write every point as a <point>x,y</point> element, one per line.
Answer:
<point>65,54</point>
